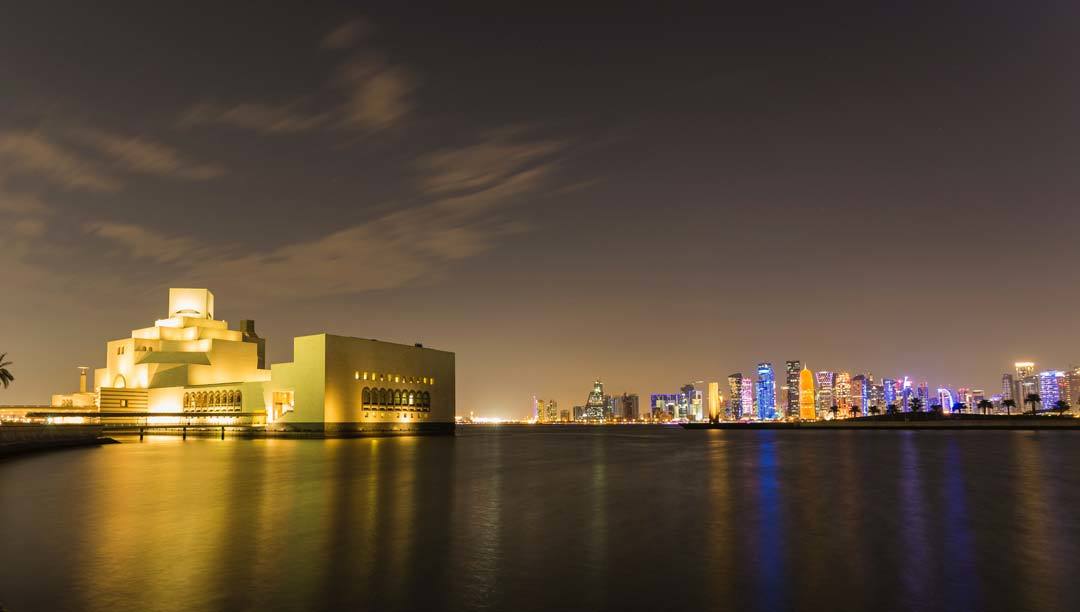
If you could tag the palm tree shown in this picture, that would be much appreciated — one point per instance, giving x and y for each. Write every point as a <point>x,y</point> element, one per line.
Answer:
<point>916,404</point>
<point>985,405</point>
<point>1061,407</point>
<point>890,409</point>
<point>936,408</point>
<point>854,410</point>
<point>875,410</point>
<point>959,407</point>
<point>834,410</point>
<point>1034,400</point>
<point>1008,404</point>
<point>6,378</point>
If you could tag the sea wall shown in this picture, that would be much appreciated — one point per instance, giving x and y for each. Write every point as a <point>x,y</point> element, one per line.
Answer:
<point>19,438</point>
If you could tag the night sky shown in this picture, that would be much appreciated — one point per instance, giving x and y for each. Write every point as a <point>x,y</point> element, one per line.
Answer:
<point>646,197</point>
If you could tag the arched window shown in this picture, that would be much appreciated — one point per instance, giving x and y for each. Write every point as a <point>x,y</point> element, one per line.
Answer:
<point>397,397</point>
<point>427,399</point>
<point>384,397</point>
<point>120,382</point>
<point>365,396</point>
<point>412,398</point>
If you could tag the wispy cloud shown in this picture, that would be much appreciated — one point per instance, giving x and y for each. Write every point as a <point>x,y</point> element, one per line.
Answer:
<point>379,94</point>
<point>463,217</point>
<point>33,153</point>
<point>347,34</point>
<point>281,119</point>
<point>371,93</point>
<point>145,157</point>
<point>143,243</point>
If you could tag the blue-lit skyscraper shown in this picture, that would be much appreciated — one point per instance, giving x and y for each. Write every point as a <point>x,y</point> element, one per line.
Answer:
<point>766,391</point>
<point>890,389</point>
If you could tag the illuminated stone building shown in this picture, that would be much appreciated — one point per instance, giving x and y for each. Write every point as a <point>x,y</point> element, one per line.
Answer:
<point>192,365</point>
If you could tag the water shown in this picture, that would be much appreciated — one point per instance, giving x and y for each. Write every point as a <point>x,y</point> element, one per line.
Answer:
<point>624,518</point>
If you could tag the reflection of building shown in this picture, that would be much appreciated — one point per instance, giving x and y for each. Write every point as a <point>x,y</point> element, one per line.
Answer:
<point>192,364</point>
<point>807,398</point>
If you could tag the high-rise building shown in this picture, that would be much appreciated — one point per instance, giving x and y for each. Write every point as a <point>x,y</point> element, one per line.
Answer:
<point>825,399</point>
<point>612,407</point>
<point>1008,387</point>
<point>1053,387</point>
<point>595,404</point>
<point>716,408</point>
<point>538,410</point>
<point>564,415</point>
<point>735,405</point>
<point>749,400</point>
<point>1074,386</point>
<point>630,408</point>
<point>859,393</point>
<point>842,393</point>
<point>691,403</point>
<point>663,406</point>
<point>923,393</point>
<point>807,397</point>
<point>792,368</point>
<point>1024,369</point>
<point>766,391</point>
<point>1027,382</point>
<point>551,412</point>
<point>890,392</point>
<point>877,397</point>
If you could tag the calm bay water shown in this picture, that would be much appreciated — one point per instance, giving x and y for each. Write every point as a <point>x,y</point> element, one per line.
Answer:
<point>518,518</point>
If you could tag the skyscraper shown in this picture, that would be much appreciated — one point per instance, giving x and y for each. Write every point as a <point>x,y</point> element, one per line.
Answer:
<point>716,409</point>
<point>630,408</point>
<point>551,412</point>
<point>792,369</point>
<point>735,405</point>
<point>766,391</point>
<point>595,404</point>
<point>1027,382</point>
<point>1074,386</point>
<point>859,393</point>
<point>691,403</point>
<point>807,397</point>
<point>890,392</point>
<point>1053,387</point>
<point>663,406</point>
<point>825,382</point>
<point>1008,387</point>
<point>842,393</point>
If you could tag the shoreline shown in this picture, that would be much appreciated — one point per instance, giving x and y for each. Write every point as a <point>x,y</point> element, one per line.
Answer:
<point>19,439</point>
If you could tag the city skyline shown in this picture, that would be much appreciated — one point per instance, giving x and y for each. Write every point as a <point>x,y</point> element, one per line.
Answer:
<point>755,184</point>
<point>862,391</point>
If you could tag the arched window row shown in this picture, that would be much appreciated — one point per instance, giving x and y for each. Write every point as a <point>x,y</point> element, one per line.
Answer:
<point>213,401</point>
<point>391,399</point>
<point>394,378</point>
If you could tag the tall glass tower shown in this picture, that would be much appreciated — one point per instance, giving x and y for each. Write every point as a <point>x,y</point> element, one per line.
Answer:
<point>792,369</point>
<point>766,391</point>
